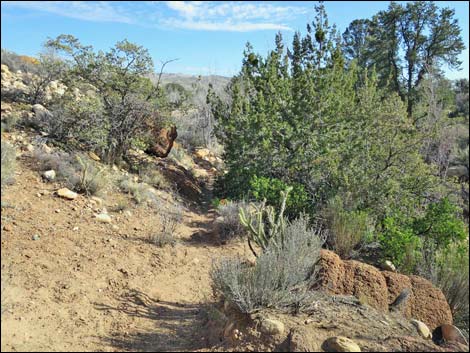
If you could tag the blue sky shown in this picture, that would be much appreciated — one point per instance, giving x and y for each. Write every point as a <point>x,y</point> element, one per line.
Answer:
<point>207,37</point>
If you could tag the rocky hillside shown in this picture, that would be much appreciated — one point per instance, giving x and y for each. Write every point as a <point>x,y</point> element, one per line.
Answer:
<point>123,262</point>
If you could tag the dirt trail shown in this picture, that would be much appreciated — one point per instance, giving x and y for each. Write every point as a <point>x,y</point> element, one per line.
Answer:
<point>87,286</point>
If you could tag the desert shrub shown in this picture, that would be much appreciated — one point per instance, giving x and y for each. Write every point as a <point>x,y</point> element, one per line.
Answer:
<point>76,171</point>
<point>17,62</point>
<point>281,277</point>
<point>270,188</point>
<point>347,229</point>
<point>9,121</point>
<point>140,192</point>
<point>231,225</point>
<point>155,178</point>
<point>128,99</point>
<point>170,216</point>
<point>8,163</point>
<point>451,275</point>
<point>400,244</point>
<point>77,122</point>
<point>404,239</point>
<point>180,156</point>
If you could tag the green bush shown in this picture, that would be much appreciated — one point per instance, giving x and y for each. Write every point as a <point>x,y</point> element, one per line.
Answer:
<point>452,277</point>
<point>346,229</point>
<point>270,188</point>
<point>402,239</point>
<point>400,244</point>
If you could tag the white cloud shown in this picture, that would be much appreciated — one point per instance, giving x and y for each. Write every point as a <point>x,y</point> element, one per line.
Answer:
<point>223,26</point>
<point>234,16</point>
<point>101,11</point>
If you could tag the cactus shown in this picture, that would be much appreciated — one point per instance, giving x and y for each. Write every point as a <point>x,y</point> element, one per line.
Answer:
<point>264,227</point>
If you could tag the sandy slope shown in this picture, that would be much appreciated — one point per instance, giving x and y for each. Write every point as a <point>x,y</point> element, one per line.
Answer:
<point>98,288</point>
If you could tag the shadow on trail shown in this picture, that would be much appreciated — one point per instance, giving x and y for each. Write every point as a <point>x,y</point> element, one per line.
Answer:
<point>178,326</point>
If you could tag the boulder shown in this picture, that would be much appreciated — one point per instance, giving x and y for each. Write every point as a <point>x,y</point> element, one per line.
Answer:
<point>41,113</point>
<point>352,278</point>
<point>379,289</point>
<point>429,303</point>
<point>340,344</point>
<point>163,142</point>
<point>448,334</point>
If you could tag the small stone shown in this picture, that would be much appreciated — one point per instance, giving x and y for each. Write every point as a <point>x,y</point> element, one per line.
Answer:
<point>104,218</point>
<point>67,194</point>
<point>422,328</point>
<point>57,211</point>
<point>94,156</point>
<point>196,261</point>
<point>35,237</point>
<point>308,321</point>
<point>38,194</point>
<point>7,228</point>
<point>389,266</point>
<point>75,229</point>
<point>115,227</point>
<point>340,344</point>
<point>30,148</point>
<point>98,201</point>
<point>49,175</point>
<point>272,327</point>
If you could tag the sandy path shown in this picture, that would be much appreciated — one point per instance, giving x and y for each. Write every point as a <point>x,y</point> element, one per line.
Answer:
<point>99,288</point>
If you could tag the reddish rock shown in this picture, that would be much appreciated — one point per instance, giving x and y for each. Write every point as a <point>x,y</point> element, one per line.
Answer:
<point>429,305</point>
<point>447,334</point>
<point>163,142</point>
<point>379,289</point>
<point>396,283</point>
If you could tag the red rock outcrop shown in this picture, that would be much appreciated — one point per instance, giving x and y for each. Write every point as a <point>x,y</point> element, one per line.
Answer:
<point>163,142</point>
<point>379,289</point>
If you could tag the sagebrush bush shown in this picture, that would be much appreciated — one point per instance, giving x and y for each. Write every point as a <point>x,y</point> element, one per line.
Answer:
<point>347,229</point>
<point>170,216</point>
<point>77,171</point>
<point>155,178</point>
<point>281,277</point>
<point>8,163</point>
<point>10,121</point>
<point>140,192</point>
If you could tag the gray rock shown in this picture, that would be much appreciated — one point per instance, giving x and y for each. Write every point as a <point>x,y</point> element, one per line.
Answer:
<point>35,237</point>
<point>340,344</point>
<point>49,175</point>
<point>271,327</point>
